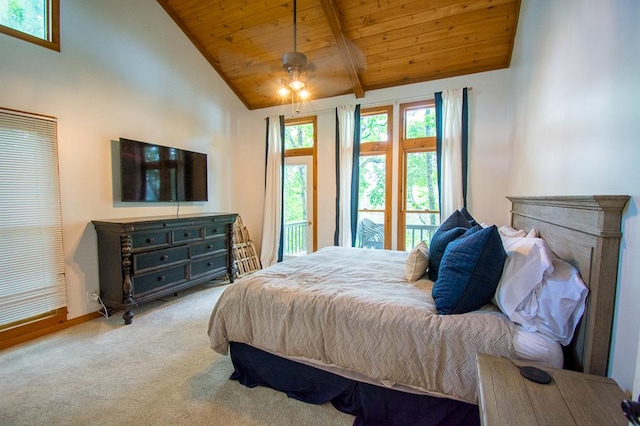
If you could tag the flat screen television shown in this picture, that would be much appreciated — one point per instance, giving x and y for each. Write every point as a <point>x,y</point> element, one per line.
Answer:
<point>150,173</point>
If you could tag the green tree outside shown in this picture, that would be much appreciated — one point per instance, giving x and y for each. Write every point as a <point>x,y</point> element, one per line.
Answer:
<point>27,16</point>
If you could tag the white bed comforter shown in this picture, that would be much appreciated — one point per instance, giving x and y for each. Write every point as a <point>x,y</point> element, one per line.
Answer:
<point>352,308</point>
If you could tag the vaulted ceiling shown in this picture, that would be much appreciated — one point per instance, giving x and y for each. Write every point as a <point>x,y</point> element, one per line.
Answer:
<point>353,46</point>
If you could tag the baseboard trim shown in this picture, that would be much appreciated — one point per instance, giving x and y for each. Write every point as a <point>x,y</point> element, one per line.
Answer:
<point>31,331</point>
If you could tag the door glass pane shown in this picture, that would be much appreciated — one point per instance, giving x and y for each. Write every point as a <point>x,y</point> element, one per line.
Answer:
<point>420,123</point>
<point>298,136</point>
<point>371,202</point>
<point>422,209</point>
<point>295,209</point>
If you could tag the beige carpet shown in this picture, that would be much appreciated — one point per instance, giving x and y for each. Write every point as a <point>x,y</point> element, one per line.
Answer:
<point>157,371</point>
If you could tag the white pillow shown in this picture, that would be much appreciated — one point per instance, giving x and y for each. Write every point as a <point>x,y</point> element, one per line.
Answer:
<point>540,291</point>
<point>507,231</point>
<point>556,305</point>
<point>417,262</point>
<point>527,261</point>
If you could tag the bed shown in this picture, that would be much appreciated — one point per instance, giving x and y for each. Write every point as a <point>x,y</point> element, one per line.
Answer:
<point>381,351</point>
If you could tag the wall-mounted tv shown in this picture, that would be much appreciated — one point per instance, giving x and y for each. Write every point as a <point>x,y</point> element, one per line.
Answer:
<point>151,173</point>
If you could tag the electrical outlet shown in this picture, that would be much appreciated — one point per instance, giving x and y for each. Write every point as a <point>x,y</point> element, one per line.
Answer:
<point>94,296</point>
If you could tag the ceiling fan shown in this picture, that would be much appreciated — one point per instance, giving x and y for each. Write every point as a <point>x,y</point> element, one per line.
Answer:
<point>295,64</point>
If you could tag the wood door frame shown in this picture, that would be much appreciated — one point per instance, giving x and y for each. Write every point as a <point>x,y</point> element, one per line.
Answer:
<point>405,146</point>
<point>383,148</point>
<point>313,152</point>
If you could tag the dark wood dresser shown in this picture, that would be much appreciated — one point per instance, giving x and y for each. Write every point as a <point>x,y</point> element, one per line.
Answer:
<point>143,259</point>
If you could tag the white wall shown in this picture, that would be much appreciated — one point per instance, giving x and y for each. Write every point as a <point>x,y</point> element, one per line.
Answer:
<point>488,168</point>
<point>125,69</point>
<point>575,85</point>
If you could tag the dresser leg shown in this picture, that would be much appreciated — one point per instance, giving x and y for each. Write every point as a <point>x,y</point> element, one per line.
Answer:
<point>127,317</point>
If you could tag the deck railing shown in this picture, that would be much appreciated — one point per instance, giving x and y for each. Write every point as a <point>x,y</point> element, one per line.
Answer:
<point>417,233</point>
<point>295,238</point>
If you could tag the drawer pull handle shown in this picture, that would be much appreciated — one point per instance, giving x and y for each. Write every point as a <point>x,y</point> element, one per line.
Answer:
<point>210,264</point>
<point>187,234</point>
<point>150,240</point>
<point>164,257</point>
<point>210,246</point>
<point>215,230</point>
<point>161,278</point>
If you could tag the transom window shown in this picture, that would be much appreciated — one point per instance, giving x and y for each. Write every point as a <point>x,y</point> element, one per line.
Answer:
<point>36,21</point>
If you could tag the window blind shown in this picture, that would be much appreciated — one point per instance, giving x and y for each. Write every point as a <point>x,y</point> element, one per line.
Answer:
<point>32,281</point>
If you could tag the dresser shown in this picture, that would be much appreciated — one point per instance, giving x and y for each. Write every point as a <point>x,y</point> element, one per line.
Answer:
<point>143,259</point>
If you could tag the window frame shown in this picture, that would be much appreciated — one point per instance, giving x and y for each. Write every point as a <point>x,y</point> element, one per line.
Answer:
<point>312,152</point>
<point>52,29</point>
<point>409,145</point>
<point>382,148</point>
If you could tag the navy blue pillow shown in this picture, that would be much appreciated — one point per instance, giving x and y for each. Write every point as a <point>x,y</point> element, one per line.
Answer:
<point>469,272</point>
<point>452,228</point>
<point>468,216</point>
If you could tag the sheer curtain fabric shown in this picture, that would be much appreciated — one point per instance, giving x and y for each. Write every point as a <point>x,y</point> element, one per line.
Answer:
<point>452,151</point>
<point>272,226</point>
<point>345,135</point>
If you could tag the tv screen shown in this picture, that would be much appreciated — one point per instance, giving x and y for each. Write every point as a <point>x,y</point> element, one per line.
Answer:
<point>160,173</point>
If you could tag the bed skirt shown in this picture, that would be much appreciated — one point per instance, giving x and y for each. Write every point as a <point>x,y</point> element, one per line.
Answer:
<point>370,404</point>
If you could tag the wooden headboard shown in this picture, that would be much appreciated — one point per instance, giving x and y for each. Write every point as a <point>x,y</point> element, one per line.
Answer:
<point>584,231</point>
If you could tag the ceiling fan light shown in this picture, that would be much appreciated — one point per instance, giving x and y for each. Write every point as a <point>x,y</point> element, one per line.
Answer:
<point>283,91</point>
<point>304,94</point>
<point>296,85</point>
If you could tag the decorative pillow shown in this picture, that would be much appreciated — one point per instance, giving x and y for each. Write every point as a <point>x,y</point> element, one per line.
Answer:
<point>452,228</point>
<point>468,216</point>
<point>469,272</point>
<point>417,262</point>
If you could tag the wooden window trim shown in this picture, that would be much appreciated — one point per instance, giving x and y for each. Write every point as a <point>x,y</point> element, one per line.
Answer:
<point>53,29</point>
<point>384,148</point>
<point>313,152</point>
<point>408,145</point>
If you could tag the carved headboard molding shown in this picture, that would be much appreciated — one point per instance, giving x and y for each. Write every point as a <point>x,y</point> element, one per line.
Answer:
<point>584,231</point>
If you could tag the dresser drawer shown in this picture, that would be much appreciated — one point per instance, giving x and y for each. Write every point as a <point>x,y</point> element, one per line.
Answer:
<point>208,265</point>
<point>208,247</point>
<point>146,240</point>
<point>159,258</point>
<point>215,230</point>
<point>187,234</point>
<point>149,282</point>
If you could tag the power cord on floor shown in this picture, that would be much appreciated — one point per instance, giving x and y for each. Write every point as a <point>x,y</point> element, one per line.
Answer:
<point>104,311</point>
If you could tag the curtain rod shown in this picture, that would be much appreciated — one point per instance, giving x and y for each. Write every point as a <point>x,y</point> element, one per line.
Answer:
<point>381,103</point>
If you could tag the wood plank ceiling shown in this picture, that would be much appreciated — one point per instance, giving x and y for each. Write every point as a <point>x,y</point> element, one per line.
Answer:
<point>352,45</point>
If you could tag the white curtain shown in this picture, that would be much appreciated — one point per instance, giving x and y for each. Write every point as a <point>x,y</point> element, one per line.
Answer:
<point>451,196</point>
<point>346,123</point>
<point>272,206</point>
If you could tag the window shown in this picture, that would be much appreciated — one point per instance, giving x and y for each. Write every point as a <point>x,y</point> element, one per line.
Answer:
<point>36,21</point>
<point>32,281</point>
<point>374,191</point>
<point>300,179</point>
<point>418,205</point>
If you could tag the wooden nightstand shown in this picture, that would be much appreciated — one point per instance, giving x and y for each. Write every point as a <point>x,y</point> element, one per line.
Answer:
<point>507,398</point>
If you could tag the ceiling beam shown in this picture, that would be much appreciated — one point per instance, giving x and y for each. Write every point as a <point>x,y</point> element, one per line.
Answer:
<point>333,17</point>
